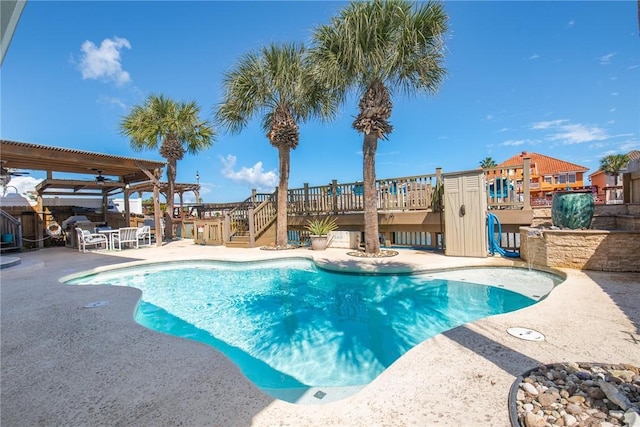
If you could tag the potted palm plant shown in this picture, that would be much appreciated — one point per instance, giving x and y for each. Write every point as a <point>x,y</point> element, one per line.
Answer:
<point>320,229</point>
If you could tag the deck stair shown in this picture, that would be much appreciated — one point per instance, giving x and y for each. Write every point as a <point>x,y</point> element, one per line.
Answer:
<point>10,227</point>
<point>253,222</point>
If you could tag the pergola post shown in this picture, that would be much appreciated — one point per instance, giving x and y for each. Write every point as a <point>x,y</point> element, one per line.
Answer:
<point>156,209</point>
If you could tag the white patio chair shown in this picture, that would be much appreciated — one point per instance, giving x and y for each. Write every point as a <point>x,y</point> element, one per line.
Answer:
<point>144,234</point>
<point>126,236</point>
<point>87,238</point>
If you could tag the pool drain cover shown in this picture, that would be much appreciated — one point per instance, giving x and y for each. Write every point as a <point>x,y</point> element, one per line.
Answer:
<point>526,334</point>
<point>319,394</point>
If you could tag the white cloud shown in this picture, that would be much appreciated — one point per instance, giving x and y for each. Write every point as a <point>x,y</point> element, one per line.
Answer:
<point>113,102</point>
<point>504,130</point>
<point>571,23</point>
<point>255,176</point>
<point>534,56</point>
<point>568,133</point>
<point>513,143</point>
<point>104,62</point>
<point>489,117</point>
<point>606,59</point>
<point>548,124</point>
<point>23,184</point>
<point>577,134</point>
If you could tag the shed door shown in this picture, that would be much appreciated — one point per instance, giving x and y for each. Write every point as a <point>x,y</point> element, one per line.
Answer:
<point>465,214</point>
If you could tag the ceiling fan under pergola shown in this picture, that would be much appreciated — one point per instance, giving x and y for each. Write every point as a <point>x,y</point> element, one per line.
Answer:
<point>7,173</point>
<point>101,179</point>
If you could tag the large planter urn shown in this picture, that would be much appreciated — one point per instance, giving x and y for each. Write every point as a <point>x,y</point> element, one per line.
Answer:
<point>572,209</point>
<point>319,243</point>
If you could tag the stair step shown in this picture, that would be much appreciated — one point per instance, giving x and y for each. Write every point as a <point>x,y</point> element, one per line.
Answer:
<point>237,244</point>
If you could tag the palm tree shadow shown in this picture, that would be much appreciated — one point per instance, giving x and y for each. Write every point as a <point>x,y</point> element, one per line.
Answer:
<point>507,359</point>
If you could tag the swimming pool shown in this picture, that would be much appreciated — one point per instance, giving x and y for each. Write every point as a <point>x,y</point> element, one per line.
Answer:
<point>289,325</point>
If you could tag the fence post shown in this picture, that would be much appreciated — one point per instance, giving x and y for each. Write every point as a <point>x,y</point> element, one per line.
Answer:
<point>526,179</point>
<point>334,195</point>
<point>252,231</point>
<point>226,226</point>
<point>305,202</point>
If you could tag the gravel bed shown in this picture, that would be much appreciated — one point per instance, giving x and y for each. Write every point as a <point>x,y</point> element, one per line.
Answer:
<point>576,394</point>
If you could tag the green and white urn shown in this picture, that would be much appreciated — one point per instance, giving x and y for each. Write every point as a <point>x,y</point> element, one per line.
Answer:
<point>572,209</point>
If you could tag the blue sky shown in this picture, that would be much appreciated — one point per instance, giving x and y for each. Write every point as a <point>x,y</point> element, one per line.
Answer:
<point>557,78</point>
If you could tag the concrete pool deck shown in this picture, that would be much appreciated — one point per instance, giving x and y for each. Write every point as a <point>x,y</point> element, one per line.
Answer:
<point>64,364</point>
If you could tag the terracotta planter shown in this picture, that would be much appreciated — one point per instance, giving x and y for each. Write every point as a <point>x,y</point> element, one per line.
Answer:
<point>318,243</point>
<point>572,209</point>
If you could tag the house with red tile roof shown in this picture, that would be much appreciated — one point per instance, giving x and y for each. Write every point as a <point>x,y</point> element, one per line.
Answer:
<point>547,175</point>
<point>608,192</point>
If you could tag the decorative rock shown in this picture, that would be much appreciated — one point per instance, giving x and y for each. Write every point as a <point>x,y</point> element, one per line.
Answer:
<point>533,420</point>
<point>632,418</point>
<point>576,398</point>
<point>574,409</point>
<point>618,415</point>
<point>530,388</point>
<point>582,400</point>
<point>614,395</point>
<point>570,420</point>
<point>547,398</point>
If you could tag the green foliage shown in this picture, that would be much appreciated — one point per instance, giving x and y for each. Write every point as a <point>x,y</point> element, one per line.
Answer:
<point>161,120</point>
<point>488,163</point>
<point>321,227</point>
<point>613,164</point>
<point>378,48</point>
<point>437,198</point>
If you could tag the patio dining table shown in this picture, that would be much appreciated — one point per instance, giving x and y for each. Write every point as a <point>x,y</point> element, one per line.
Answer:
<point>110,234</point>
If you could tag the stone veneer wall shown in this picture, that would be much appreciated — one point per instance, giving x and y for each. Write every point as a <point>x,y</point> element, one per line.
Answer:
<point>602,250</point>
<point>612,243</point>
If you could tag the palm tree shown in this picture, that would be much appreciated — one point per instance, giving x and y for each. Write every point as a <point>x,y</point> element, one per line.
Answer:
<point>613,164</point>
<point>276,83</point>
<point>373,47</point>
<point>488,163</point>
<point>173,126</point>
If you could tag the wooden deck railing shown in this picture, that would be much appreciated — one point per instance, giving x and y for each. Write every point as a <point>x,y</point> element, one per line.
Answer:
<point>263,215</point>
<point>239,216</point>
<point>405,193</point>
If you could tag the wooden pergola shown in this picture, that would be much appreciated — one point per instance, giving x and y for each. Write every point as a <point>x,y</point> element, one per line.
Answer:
<point>121,174</point>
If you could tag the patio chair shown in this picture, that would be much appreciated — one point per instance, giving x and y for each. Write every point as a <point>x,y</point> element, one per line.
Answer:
<point>87,238</point>
<point>144,234</point>
<point>126,236</point>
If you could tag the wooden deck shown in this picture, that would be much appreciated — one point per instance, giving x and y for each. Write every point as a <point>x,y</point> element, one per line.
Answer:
<point>405,213</point>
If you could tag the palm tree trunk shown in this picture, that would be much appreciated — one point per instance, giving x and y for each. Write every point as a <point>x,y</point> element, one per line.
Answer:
<point>171,179</point>
<point>284,154</point>
<point>369,147</point>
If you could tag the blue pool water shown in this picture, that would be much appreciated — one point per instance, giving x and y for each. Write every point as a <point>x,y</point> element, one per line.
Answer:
<point>288,324</point>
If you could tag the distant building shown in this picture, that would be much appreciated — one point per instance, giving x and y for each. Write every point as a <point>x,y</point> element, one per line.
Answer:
<point>547,175</point>
<point>607,191</point>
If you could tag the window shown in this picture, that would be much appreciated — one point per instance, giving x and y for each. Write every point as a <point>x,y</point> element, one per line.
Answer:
<point>548,179</point>
<point>562,178</point>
